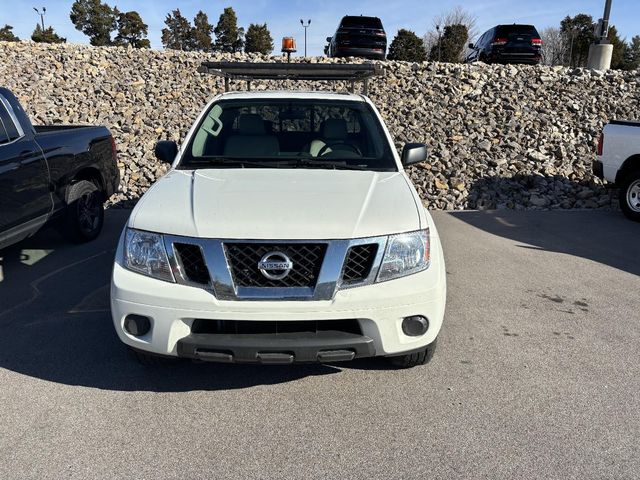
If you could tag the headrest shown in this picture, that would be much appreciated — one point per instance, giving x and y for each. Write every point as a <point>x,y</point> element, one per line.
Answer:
<point>334,128</point>
<point>251,124</point>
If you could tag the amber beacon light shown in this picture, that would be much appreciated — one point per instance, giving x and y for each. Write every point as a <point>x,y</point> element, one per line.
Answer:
<point>288,46</point>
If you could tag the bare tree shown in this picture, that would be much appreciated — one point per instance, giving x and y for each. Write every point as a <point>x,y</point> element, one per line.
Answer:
<point>555,46</point>
<point>459,16</point>
<point>456,16</point>
<point>430,40</point>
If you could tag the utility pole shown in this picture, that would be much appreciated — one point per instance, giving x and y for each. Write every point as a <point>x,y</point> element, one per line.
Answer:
<point>305,34</point>
<point>44,10</point>
<point>600,53</point>
<point>439,42</point>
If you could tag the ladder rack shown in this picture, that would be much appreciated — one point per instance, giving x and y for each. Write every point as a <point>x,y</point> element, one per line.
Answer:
<point>249,71</point>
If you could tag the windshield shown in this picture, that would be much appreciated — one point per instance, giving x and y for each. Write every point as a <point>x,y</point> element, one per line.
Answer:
<point>283,133</point>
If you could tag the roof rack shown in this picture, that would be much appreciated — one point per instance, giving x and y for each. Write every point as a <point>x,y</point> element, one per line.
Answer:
<point>249,71</point>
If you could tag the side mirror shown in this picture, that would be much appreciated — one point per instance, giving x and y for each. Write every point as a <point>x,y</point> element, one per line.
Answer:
<point>166,151</point>
<point>329,39</point>
<point>413,153</point>
<point>471,45</point>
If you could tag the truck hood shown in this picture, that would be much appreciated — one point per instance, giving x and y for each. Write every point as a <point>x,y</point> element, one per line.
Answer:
<point>278,204</point>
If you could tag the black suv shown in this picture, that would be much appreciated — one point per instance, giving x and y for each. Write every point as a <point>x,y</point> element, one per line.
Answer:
<point>508,44</point>
<point>358,37</point>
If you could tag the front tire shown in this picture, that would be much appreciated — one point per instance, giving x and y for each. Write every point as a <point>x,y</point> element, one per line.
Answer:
<point>85,212</point>
<point>410,360</point>
<point>630,196</point>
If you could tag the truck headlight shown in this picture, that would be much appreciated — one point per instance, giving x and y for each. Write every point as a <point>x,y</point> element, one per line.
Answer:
<point>406,253</point>
<point>144,253</point>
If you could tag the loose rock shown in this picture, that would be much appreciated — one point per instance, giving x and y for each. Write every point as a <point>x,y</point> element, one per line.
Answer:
<point>498,136</point>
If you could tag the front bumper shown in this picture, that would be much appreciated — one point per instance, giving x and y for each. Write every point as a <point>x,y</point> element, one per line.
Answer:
<point>277,349</point>
<point>379,310</point>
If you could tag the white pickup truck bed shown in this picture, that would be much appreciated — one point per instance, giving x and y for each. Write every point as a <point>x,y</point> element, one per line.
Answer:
<point>618,162</point>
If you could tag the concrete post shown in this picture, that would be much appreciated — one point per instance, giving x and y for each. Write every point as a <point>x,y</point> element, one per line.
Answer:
<point>600,56</point>
<point>600,53</point>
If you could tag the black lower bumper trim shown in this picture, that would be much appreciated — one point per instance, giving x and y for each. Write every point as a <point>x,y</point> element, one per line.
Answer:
<point>598,169</point>
<point>285,348</point>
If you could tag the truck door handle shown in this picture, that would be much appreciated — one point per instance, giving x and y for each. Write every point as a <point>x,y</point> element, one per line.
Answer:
<point>25,154</point>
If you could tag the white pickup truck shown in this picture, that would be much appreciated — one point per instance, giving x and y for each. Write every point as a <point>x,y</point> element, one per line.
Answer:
<point>286,231</point>
<point>618,162</point>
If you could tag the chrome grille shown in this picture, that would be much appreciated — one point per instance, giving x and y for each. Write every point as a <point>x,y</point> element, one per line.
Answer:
<point>358,263</point>
<point>315,269</point>
<point>243,259</point>
<point>192,262</point>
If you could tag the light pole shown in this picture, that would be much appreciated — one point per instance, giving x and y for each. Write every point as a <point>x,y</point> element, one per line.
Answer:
<point>572,32</point>
<point>305,34</point>
<point>44,10</point>
<point>605,22</point>
<point>439,42</point>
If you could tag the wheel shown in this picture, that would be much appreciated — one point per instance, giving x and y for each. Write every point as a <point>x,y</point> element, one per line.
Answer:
<point>85,212</point>
<point>630,196</point>
<point>149,359</point>
<point>410,360</point>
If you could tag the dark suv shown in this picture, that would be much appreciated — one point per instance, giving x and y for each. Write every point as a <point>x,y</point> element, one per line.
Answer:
<point>508,44</point>
<point>358,37</point>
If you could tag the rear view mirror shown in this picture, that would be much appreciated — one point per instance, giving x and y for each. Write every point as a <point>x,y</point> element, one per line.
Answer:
<point>413,153</point>
<point>166,151</point>
<point>292,114</point>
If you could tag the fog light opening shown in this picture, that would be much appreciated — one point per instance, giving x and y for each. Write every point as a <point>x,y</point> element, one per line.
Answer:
<point>137,325</point>
<point>415,326</point>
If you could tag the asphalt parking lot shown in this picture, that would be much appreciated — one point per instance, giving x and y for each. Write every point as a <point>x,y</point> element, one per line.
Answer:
<point>536,373</point>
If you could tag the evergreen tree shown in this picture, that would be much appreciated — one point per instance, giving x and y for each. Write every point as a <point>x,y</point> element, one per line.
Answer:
<point>451,45</point>
<point>95,19</point>
<point>455,16</point>
<point>48,35</point>
<point>258,39</point>
<point>179,34</point>
<point>579,35</point>
<point>6,34</point>
<point>132,30</point>
<point>632,54</point>
<point>202,31</point>
<point>229,38</point>
<point>408,47</point>
<point>619,47</point>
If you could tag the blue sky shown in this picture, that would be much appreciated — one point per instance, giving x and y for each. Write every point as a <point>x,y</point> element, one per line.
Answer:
<point>283,16</point>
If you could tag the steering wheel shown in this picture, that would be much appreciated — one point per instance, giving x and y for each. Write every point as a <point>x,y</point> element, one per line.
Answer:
<point>349,146</point>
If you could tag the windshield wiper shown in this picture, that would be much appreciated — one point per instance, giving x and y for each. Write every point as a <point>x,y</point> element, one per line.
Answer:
<point>279,163</point>
<point>334,164</point>
<point>241,162</point>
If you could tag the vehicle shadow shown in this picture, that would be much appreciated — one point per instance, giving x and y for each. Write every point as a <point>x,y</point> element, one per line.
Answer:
<point>55,323</point>
<point>602,235</point>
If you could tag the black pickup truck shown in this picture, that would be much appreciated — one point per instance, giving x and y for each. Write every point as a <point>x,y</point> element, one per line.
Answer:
<point>52,172</point>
